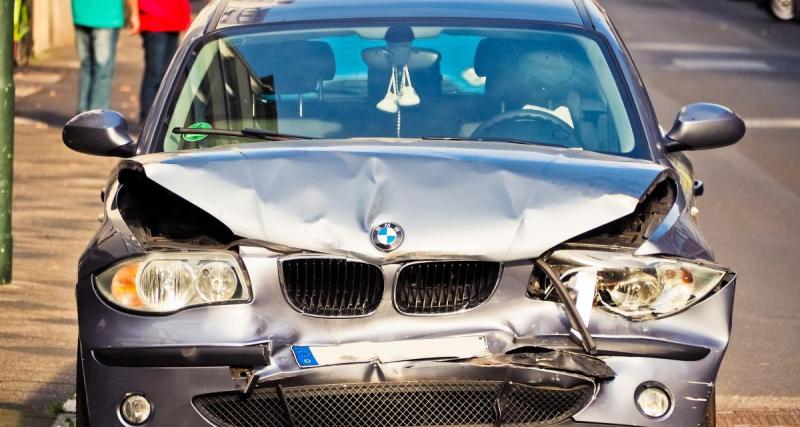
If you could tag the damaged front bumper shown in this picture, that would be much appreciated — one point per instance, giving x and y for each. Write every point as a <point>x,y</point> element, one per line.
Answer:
<point>201,365</point>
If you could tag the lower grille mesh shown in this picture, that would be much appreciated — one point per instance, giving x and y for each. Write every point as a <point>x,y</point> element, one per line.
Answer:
<point>462,403</point>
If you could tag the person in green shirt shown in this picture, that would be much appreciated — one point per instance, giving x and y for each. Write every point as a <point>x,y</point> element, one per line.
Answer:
<point>97,24</point>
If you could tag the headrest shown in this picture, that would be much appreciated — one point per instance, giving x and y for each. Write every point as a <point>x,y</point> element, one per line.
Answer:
<point>544,67</point>
<point>494,55</point>
<point>526,61</point>
<point>295,66</point>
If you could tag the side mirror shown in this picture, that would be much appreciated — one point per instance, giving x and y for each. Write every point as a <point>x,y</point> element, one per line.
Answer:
<point>99,132</point>
<point>704,126</point>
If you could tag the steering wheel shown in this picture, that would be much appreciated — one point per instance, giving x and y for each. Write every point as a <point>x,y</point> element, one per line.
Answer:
<point>528,125</point>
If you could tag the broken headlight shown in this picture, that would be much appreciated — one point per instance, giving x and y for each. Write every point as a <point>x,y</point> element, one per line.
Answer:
<point>170,281</point>
<point>636,287</point>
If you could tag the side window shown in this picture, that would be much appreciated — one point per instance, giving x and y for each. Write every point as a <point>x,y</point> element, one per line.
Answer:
<point>219,92</point>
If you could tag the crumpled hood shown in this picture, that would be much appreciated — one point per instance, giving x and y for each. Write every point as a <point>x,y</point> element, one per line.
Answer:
<point>490,201</point>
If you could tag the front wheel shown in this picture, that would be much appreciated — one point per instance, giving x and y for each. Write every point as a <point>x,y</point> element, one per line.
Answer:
<point>782,9</point>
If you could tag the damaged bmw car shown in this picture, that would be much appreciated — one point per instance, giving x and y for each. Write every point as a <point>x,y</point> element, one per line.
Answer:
<point>417,213</point>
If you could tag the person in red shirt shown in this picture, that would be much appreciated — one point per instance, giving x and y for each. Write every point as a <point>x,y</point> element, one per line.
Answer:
<point>160,23</point>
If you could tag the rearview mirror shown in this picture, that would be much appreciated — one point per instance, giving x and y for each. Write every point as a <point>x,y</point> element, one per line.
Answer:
<point>703,126</point>
<point>99,132</point>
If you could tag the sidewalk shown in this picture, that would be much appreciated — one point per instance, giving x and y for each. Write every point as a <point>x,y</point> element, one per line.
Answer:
<point>56,205</point>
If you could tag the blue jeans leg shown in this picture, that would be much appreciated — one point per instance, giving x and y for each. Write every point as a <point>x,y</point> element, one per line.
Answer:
<point>83,43</point>
<point>104,43</point>
<point>96,51</point>
<point>159,48</point>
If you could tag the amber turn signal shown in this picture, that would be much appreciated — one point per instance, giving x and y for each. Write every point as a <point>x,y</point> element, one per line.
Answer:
<point>123,286</point>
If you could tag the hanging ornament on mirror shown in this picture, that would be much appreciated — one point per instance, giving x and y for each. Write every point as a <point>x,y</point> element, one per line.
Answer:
<point>390,101</point>
<point>408,95</point>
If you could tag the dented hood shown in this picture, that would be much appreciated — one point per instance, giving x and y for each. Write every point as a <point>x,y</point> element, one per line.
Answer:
<point>491,201</point>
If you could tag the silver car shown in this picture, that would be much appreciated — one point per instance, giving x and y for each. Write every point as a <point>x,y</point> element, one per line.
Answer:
<point>417,213</point>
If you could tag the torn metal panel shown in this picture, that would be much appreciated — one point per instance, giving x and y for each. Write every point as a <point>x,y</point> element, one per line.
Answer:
<point>678,236</point>
<point>499,202</point>
<point>620,346</point>
<point>558,360</point>
<point>634,229</point>
<point>469,370</point>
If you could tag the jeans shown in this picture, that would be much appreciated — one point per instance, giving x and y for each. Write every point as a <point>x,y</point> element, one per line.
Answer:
<point>159,47</point>
<point>96,51</point>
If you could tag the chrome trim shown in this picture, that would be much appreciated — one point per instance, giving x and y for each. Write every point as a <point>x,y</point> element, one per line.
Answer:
<point>501,266</point>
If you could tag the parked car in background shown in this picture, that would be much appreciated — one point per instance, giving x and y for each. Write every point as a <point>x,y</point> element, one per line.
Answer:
<point>417,213</point>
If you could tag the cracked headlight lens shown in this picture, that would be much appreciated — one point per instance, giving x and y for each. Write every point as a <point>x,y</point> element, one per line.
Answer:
<point>170,281</point>
<point>638,287</point>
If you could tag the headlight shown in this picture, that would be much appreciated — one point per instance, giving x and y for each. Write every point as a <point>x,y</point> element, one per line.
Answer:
<point>170,281</point>
<point>637,287</point>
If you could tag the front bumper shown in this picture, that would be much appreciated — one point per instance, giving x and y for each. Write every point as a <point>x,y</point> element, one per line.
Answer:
<point>683,354</point>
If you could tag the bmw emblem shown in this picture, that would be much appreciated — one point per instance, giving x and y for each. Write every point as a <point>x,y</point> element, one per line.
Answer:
<point>387,236</point>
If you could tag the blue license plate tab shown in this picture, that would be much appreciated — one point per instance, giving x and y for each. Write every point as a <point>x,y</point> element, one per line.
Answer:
<point>304,356</point>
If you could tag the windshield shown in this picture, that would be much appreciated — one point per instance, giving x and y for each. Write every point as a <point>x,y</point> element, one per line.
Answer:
<point>549,87</point>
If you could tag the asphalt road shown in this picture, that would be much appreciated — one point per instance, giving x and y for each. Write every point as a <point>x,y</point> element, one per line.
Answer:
<point>733,53</point>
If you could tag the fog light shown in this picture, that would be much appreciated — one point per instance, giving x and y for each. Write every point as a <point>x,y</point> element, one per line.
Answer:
<point>653,401</point>
<point>135,409</point>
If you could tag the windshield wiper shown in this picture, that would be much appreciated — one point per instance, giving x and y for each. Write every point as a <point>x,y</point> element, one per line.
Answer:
<point>243,133</point>
<point>509,140</point>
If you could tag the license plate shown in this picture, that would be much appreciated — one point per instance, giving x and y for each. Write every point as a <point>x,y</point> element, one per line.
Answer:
<point>309,356</point>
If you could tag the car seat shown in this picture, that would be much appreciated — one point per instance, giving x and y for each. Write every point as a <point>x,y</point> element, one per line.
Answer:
<point>294,68</point>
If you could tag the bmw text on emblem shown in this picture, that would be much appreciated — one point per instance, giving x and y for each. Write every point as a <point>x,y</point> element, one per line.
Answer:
<point>387,236</point>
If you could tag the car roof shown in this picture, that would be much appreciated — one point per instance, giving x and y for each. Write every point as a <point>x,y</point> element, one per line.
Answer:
<point>232,13</point>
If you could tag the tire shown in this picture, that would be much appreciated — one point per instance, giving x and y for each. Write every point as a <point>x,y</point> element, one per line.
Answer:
<point>710,419</point>
<point>81,408</point>
<point>782,9</point>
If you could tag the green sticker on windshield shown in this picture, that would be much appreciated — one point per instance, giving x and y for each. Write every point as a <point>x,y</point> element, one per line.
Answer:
<point>194,137</point>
